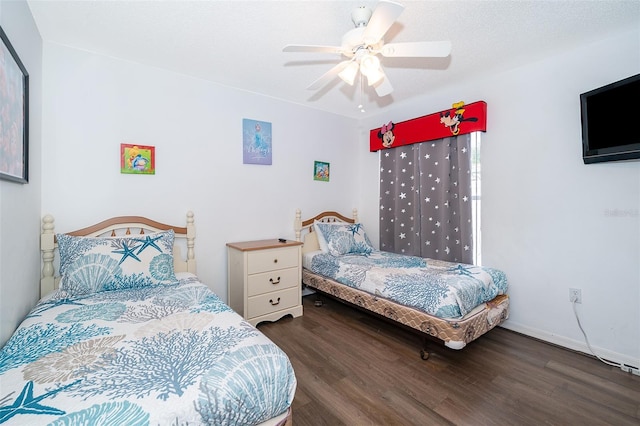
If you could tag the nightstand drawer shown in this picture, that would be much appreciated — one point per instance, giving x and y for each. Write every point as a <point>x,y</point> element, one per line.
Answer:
<point>269,260</point>
<point>272,281</point>
<point>271,302</point>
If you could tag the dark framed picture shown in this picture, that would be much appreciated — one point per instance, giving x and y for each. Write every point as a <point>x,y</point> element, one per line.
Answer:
<point>14,115</point>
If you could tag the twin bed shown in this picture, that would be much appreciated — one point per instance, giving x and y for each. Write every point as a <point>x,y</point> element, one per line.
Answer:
<point>451,302</point>
<point>130,336</point>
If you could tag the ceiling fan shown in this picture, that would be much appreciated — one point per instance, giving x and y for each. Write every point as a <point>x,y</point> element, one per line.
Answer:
<point>362,45</point>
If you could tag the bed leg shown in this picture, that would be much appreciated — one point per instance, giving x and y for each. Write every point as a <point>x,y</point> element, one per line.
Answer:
<point>424,354</point>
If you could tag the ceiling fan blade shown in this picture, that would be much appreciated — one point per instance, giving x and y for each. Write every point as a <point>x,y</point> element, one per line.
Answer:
<point>384,87</point>
<point>383,17</point>
<point>418,49</point>
<point>329,75</point>
<point>311,48</point>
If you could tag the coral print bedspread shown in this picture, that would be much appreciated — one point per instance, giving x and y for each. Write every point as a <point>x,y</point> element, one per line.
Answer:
<point>443,289</point>
<point>167,354</point>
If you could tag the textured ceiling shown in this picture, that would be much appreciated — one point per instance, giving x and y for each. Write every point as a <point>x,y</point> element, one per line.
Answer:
<point>239,43</point>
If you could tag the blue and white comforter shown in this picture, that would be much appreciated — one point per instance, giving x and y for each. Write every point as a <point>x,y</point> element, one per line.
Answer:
<point>443,289</point>
<point>157,355</point>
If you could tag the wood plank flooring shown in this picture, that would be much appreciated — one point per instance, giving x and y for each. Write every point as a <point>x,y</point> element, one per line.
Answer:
<point>357,369</point>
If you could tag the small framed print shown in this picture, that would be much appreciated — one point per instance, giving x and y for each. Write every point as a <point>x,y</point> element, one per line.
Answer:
<point>137,159</point>
<point>256,142</point>
<point>321,171</point>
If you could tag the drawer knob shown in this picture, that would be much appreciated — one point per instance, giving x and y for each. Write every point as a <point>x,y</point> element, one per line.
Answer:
<point>274,303</point>
<point>274,282</point>
<point>275,260</point>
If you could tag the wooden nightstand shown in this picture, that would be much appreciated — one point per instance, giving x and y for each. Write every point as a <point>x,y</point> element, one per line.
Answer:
<point>265,279</point>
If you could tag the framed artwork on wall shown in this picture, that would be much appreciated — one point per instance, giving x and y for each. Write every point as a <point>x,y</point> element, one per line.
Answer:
<point>256,142</point>
<point>14,115</point>
<point>321,171</point>
<point>137,159</point>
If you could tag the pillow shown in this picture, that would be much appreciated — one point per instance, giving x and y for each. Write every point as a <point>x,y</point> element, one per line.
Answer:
<point>344,238</point>
<point>321,241</point>
<point>91,265</point>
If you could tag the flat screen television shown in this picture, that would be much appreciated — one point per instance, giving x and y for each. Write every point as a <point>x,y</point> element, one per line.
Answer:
<point>609,117</point>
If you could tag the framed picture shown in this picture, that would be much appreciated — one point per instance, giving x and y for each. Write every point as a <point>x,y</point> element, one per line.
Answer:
<point>321,171</point>
<point>14,115</point>
<point>256,142</point>
<point>137,159</point>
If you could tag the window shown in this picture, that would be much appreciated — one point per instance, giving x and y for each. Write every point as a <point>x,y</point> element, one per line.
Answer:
<point>426,199</point>
<point>476,197</point>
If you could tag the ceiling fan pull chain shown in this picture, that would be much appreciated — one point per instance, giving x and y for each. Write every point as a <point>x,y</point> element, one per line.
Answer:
<point>361,106</point>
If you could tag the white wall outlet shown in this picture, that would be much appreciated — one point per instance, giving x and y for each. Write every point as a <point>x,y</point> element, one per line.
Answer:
<point>575,295</point>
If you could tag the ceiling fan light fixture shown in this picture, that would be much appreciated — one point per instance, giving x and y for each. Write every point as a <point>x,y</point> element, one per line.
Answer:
<point>370,67</point>
<point>369,63</point>
<point>361,46</point>
<point>348,75</point>
<point>374,77</point>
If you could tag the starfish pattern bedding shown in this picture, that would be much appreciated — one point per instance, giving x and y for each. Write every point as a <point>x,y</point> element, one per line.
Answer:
<point>165,354</point>
<point>443,289</point>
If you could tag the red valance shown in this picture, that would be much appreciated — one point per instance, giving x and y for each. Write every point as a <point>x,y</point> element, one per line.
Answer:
<point>458,120</point>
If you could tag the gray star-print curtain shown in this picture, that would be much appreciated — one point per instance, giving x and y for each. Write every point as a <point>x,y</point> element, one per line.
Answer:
<point>425,199</point>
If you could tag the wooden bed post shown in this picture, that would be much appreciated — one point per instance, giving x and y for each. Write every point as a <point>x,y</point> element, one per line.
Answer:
<point>191,236</point>
<point>297,224</point>
<point>47,245</point>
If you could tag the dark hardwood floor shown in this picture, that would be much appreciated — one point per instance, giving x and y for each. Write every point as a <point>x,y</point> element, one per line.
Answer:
<point>356,369</point>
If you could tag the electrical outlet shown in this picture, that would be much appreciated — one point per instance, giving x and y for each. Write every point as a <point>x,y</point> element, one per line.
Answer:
<point>575,295</point>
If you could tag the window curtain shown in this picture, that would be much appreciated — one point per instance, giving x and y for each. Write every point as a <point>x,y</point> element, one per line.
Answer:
<point>425,199</point>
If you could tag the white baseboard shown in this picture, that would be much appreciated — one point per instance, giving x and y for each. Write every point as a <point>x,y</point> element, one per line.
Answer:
<point>571,344</point>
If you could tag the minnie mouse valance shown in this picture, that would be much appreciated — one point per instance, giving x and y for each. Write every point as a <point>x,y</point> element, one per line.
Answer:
<point>458,120</point>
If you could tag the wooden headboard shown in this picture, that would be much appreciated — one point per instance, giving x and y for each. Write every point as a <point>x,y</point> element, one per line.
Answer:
<point>304,228</point>
<point>122,225</point>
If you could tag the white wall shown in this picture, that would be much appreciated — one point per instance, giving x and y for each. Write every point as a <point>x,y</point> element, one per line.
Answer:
<point>20,204</point>
<point>549,221</point>
<point>93,103</point>
<point>547,218</point>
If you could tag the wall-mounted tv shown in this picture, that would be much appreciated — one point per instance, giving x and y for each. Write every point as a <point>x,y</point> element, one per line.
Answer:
<point>609,117</point>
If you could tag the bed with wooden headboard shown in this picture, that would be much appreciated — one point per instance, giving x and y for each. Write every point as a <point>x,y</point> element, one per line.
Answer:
<point>122,225</point>
<point>455,332</point>
<point>127,334</point>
